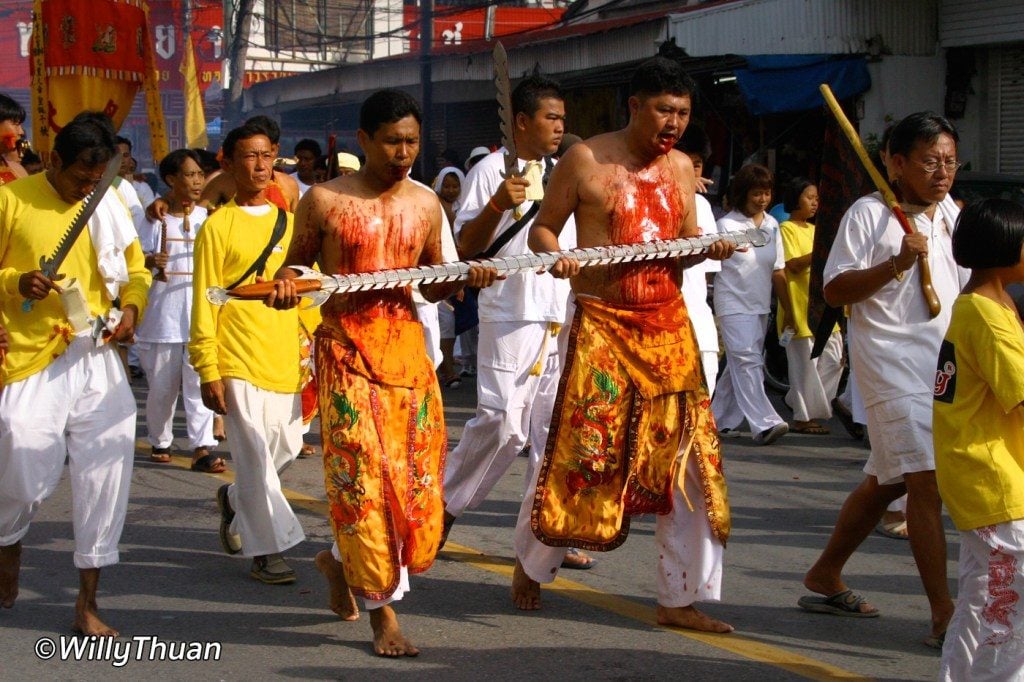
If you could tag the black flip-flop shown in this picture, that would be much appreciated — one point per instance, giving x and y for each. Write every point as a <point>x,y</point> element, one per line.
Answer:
<point>572,551</point>
<point>207,464</point>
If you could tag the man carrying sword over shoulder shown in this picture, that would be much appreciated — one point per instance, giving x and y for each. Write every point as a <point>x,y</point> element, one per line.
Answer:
<point>58,364</point>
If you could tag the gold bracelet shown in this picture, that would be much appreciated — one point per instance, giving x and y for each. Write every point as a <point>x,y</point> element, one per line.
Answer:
<point>895,271</point>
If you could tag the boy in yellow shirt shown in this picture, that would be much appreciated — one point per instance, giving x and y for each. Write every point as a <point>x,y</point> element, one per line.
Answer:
<point>55,365</point>
<point>247,358</point>
<point>979,445</point>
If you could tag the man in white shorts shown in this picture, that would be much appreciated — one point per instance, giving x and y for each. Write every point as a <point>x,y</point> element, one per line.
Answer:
<point>873,267</point>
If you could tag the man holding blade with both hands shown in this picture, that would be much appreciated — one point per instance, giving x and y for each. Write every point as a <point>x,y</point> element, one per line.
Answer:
<point>60,363</point>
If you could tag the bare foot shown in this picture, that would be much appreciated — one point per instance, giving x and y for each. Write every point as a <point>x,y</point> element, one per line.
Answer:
<point>87,620</point>
<point>387,636</point>
<point>525,591</point>
<point>690,618</point>
<point>342,601</point>
<point>10,564</point>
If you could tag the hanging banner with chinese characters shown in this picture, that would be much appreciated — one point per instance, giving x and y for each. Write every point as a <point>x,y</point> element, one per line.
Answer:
<point>91,56</point>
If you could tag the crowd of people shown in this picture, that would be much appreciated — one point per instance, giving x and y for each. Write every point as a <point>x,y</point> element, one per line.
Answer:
<point>606,376</point>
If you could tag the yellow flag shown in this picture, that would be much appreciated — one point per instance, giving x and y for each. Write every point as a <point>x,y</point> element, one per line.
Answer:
<point>195,119</point>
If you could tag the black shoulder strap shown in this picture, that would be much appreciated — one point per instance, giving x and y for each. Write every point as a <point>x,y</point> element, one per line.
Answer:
<point>261,262</point>
<point>516,227</point>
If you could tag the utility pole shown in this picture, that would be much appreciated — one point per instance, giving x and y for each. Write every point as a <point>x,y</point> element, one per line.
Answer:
<point>426,84</point>
<point>240,23</point>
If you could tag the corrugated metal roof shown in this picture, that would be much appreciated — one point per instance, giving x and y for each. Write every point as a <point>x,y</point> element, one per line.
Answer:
<point>907,27</point>
<point>980,22</point>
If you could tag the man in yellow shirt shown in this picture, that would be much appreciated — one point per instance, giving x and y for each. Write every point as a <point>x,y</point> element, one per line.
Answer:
<point>247,358</point>
<point>55,364</point>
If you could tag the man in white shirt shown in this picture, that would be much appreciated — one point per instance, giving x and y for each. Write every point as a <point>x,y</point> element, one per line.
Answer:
<point>520,317</point>
<point>894,344</point>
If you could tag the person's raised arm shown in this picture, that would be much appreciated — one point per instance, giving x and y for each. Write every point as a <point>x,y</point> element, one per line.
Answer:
<point>307,238</point>
<point>477,233</point>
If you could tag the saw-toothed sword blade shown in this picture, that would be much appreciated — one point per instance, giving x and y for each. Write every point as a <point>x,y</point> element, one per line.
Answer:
<point>504,97</point>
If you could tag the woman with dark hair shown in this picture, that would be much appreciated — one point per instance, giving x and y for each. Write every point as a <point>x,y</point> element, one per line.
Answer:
<point>812,382</point>
<point>12,115</point>
<point>742,303</point>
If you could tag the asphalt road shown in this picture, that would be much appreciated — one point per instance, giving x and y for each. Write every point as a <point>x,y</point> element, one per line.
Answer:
<point>175,587</point>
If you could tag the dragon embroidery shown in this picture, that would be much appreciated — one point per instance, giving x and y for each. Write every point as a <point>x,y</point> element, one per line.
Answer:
<point>596,458</point>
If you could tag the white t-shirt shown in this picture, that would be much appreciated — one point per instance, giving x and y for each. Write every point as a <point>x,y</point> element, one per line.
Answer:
<point>449,253</point>
<point>893,341</point>
<point>744,286</point>
<point>695,284</point>
<point>131,200</point>
<point>303,187</point>
<point>145,193</point>
<point>525,297</point>
<point>169,309</point>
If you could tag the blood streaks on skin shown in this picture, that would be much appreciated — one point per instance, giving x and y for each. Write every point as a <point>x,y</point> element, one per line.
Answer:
<point>645,207</point>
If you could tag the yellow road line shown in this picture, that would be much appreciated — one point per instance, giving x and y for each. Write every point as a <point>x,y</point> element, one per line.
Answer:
<point>746,647</point>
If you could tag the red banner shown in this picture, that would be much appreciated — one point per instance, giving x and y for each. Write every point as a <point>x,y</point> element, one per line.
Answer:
<point>453,27</point>
<point>105,39</point>
<point>167,19</point>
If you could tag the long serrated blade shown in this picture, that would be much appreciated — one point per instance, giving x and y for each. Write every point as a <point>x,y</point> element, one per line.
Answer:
<point>51,265</point>
<point>504,97</point>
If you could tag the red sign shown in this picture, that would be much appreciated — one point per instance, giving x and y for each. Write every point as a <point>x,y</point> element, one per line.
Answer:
<point>453,27</point>
<point>166,19</point>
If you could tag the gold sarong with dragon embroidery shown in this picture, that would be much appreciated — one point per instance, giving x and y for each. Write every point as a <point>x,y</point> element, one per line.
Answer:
<point>632,406</point>
<point>384,444</point>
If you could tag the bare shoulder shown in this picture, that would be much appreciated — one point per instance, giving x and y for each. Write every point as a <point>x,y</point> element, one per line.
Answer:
<point>285,180</point>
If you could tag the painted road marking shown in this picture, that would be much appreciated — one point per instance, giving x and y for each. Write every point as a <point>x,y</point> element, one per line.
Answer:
<point>746,647</point>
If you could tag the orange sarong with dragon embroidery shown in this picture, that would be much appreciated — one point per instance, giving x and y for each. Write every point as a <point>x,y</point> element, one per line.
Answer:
<point>632,406</point>
<point>384,445</point>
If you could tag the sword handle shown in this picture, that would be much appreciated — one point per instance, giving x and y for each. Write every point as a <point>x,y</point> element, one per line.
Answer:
<point>260,290</point>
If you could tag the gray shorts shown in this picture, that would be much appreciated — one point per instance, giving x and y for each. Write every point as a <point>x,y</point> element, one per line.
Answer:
<point>901,438</point>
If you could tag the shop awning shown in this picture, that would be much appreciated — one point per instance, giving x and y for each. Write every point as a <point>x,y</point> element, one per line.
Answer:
<point>773,84</point>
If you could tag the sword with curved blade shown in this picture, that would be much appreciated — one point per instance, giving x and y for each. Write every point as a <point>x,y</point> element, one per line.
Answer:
<point>318,287</point>
<point>504,97</point>
<point>50,266</point>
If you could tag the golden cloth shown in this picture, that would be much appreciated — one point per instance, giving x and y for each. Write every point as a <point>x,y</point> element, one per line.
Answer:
<point>631,392</point>
<point>384,445</point>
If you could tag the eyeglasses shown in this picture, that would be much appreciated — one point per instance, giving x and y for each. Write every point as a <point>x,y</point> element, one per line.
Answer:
<point>951,166</point>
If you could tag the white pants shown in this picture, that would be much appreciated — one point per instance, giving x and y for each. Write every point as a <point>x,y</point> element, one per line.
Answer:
<point>740,393</point>
<point>513,409</point>
<point>168,373</point>
<point>709,360</point>
<point>427,314</point>
<point>266,435</point>
<point>813,382</point>
<point>403,583</point>
<point>686,547</point>
<point>79,407</point>
<point>985,638</point>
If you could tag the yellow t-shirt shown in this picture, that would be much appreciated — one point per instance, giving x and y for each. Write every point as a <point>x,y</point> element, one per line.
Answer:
<point>33,218</point>
<point>243,339</point>
<point>797,241</point>
<point>978,422</point>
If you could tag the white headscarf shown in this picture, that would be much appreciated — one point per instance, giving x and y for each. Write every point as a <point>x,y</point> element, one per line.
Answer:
<point>439,180</point>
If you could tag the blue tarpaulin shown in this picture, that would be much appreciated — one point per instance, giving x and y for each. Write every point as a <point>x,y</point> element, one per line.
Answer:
<point>772,84</point>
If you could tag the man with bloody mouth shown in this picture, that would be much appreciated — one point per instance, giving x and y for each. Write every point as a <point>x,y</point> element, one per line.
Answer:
<point>632,431</point>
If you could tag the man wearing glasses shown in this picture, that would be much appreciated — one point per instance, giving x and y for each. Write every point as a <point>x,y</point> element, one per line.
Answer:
<point>894,343</point>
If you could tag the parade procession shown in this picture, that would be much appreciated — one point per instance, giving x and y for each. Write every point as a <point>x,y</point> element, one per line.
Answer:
<point>552,339</point>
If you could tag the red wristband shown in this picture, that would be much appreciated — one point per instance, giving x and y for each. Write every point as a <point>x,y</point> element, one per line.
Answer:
<point>494,206</point>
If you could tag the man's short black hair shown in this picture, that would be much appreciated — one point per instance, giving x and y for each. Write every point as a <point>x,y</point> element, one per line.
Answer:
<point>387,106</point>
<point>308,145</point>
<point>750,177</point>
<point>171,164</point>
<point>660,75</point>
<point>245,131</point>
<point>923,126</point>
<point>526,96</point>
<point>794,189</point>
<point>207,160</point>
<point>11,110</point>
<point>89,137</point>
<point>269,126</point>
<point>124,140</point>
<point>989,234</point>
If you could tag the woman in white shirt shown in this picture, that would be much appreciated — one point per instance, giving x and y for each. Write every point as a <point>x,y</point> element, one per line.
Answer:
<point>742,301</point>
